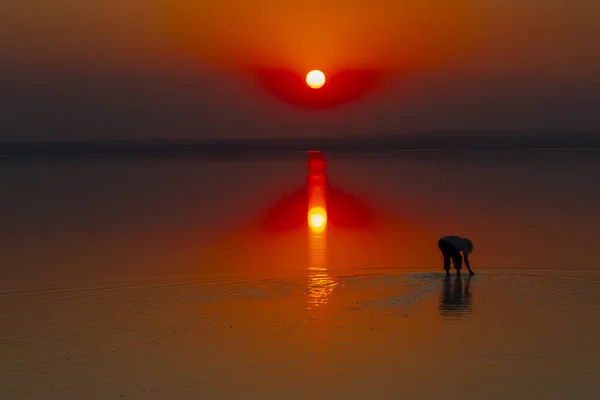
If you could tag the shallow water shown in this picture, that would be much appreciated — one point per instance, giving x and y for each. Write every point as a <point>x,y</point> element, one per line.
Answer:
<point>152,280</point>
<point>502,334</point>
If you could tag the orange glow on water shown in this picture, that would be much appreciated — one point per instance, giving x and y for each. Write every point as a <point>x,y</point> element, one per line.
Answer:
<point>342,209</point>
<point>315,79</point>
<point>320,284</point>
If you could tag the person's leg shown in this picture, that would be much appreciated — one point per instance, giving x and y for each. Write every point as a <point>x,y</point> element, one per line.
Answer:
<point>446,249</point>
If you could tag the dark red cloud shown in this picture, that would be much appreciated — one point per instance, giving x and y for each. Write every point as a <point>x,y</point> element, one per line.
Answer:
<point>340,88</point>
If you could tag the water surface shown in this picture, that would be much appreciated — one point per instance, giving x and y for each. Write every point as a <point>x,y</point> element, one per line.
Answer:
<point>153,279</point>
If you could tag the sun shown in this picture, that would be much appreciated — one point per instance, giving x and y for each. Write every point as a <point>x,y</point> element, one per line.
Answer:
<point>315,79</point>
<point>317,219</point>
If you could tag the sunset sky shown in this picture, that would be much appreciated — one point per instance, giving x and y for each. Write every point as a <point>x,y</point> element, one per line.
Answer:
<point>177,69</point>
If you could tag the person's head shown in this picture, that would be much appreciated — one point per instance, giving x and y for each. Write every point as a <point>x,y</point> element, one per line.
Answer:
<point>470,245</point>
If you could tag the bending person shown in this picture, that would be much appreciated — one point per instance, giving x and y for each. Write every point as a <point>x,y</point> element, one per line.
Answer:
<point>451,247</point>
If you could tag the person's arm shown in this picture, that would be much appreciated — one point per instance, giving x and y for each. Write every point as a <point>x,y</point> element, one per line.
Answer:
<point>468,265</point>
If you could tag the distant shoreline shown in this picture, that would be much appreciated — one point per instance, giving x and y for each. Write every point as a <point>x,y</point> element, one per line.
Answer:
<point>382,145</point>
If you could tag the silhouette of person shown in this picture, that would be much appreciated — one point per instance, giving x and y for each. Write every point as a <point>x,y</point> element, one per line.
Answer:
<point>451,247</point>
<point>454,299</point>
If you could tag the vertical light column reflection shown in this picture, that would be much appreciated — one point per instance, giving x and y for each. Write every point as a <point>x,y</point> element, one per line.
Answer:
<point>320,284</point>
<point>317,192</point>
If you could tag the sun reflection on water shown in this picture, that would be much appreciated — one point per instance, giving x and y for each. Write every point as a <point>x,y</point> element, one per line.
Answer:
<point>320,284</point>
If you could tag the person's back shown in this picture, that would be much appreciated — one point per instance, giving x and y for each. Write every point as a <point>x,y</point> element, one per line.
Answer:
<point>460,243</point>
<point>451,247</point>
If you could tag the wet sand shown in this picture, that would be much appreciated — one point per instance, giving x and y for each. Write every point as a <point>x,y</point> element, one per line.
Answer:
<point>377,333</point>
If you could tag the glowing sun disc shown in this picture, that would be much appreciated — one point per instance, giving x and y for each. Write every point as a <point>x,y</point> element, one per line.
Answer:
<point>315,79</point>
<point>317,218</point>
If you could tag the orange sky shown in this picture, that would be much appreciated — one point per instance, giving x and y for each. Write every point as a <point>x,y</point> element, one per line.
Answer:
<point>348,34</point>
<point>474,64</point>
<point>508,34</point>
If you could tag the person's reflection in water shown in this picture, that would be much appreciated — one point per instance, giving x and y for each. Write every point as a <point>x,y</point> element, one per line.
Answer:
<point>456,299</point>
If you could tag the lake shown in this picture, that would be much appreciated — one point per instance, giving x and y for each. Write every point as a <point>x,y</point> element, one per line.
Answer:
<point>158,279</point>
